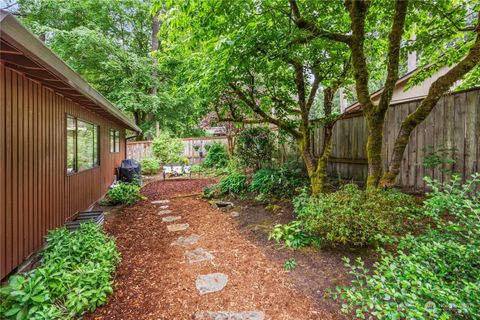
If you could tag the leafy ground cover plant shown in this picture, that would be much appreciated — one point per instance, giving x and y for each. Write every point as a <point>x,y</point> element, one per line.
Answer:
<point>124,193</point>
<point>292,235</point>
<point>235,183</point>
<point>75,277</point>
<point>435,275</point>
<point>217,156</point>
<point>353,216</point>
<point>150,165</point>
<point>290,264</point>
<point>283,182</point>
<point>210,191</point>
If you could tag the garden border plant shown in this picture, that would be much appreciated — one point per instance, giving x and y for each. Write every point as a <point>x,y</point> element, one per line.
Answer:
<point>76,277</point>
<point>434,275</point>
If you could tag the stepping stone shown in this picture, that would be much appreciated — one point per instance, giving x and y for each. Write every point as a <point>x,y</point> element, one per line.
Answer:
<point>185,241</point>
<point>160,201</point>
<point>229,315</point>
<point>234,214</point>
<point>198,255</point>
<point>212,282</point>
<point>171,218</point>
<point>177,227</point>
<point>225,205</point>
<point>162,212</point>
<point>163,207</point>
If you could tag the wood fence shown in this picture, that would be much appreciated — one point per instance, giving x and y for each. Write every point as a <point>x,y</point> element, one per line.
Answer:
<point>452,131</point>
<point>194,148</point>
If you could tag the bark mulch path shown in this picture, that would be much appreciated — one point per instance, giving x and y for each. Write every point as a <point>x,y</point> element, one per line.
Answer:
<point>154,281</point>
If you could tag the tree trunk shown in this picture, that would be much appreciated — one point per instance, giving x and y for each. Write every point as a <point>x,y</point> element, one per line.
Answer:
<point>154,47</point>
<point>139,120</point>
<point>437,90</point>
<point>374,148</point>
<point>322,164</point>
<point>231,145</point>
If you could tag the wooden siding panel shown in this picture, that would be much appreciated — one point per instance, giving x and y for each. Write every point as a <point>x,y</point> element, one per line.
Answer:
<point>3,232</point>
<point>9,256</point>
<point>35,193</point>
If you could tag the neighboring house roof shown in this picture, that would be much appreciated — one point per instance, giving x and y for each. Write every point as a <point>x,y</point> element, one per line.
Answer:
<point>20,48</point>
<point>400,95</point>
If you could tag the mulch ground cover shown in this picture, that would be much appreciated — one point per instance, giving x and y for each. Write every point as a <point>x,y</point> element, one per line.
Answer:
<point>318,269</point>
<point>153,281</point>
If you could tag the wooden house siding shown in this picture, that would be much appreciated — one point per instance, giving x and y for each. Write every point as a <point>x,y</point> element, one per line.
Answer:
<point>36,194</point>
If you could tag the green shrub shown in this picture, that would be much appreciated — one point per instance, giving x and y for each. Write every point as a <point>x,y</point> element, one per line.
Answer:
<point>234,183</point>
<point>196,169</point>
<point>282,182</point>
<point>217,156</point>
<point>292,235</point>
<point>254,147</point>
<point>168,149</point>
<point>210,191</point>
<point>75,277</point>
<point>124,193</point>
<point>351,215</point>
<point>150,166</point>
<point>435,275</point>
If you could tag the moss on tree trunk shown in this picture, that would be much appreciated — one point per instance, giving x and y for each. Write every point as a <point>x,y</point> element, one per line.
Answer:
<point>437,90</point>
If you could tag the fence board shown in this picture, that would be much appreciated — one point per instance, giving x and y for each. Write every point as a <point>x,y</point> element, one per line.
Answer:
<point>139,150</point>
<point>454,123</point>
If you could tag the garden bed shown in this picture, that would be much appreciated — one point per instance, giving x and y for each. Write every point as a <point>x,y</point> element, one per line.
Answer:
<point>317,270</point>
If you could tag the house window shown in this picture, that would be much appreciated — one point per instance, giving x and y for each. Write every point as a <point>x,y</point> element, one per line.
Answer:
<point>82,145</point>
<point>114,140</point>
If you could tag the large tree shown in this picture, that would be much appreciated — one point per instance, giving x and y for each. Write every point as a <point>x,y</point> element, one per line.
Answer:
<point>377,33</point>
<point>249,61</point>
<point>110,44</point>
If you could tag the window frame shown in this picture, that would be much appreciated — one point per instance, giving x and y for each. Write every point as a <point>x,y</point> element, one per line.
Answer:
<point>115,143</point>
<point>75,145</point>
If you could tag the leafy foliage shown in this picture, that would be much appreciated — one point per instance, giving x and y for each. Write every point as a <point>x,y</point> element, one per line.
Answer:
<point>353,216</point>
<point>217,156</point>
<point>109,44</point>
<point>282,182</point>
<point>168,149</point>
<point>435,159</point>
<point>292,234</point>
<point>435,275</point>
<point>150,165</point>
<point>255,147</point>
<point>124,193</point>
<point>210,191</point>
<point>234,183</point>
<point>75,277</point>
<point>290,264</point>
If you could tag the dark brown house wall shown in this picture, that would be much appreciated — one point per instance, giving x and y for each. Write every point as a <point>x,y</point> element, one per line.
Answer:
<point>36,194</point>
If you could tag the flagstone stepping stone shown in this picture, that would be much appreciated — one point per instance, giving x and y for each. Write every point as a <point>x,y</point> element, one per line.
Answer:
<point>171,218</point>
<point>185,241</point>
<point>229,315</point>
<point>212,282</point>
<point>198,255</point>
<point>163,207</point>
<point>234,214</point>
<point>161,201</point>
<point>177,227</point>
<point>225,205</point>
<point>162,212</point>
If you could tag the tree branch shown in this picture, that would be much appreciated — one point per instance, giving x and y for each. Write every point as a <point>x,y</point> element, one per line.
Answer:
<point>267,118</point>
<point>436,91</point>
<point>313,29</point>
<point>394,39</point>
